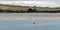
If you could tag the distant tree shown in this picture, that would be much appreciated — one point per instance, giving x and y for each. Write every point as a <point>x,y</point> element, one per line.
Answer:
<point>34,10</point>
<point>29,10</point>
<point>34,7</point>
<point>0,10</point>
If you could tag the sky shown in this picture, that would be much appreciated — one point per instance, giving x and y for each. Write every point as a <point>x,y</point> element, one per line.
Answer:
<point>39,3</point>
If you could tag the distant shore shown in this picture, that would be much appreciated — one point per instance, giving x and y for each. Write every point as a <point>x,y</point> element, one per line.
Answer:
<point>6,8</point>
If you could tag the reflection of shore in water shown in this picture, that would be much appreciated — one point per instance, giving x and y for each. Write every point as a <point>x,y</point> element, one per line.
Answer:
<point>27,16</point>
<point>46,15</point>
<point>30,14</point>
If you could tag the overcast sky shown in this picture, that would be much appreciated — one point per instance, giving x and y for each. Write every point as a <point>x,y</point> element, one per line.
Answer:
<point>41,3</point>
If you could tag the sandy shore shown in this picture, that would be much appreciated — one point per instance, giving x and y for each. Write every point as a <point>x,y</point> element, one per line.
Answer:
<point>29,16</point>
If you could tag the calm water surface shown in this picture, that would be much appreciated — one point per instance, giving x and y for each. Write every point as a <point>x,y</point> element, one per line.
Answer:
<point>14,22</point>
<point>28,25</point>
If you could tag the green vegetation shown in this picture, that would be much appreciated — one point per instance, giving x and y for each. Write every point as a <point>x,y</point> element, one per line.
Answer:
<point>28,11</point>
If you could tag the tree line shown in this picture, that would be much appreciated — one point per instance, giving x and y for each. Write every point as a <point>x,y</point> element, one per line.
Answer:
<point>28,11</point>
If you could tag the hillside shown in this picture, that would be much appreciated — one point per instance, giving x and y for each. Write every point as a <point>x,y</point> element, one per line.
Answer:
<point>15,8</point>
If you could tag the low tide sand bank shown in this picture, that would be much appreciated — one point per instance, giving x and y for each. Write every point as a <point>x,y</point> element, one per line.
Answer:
<point>29,16</point>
